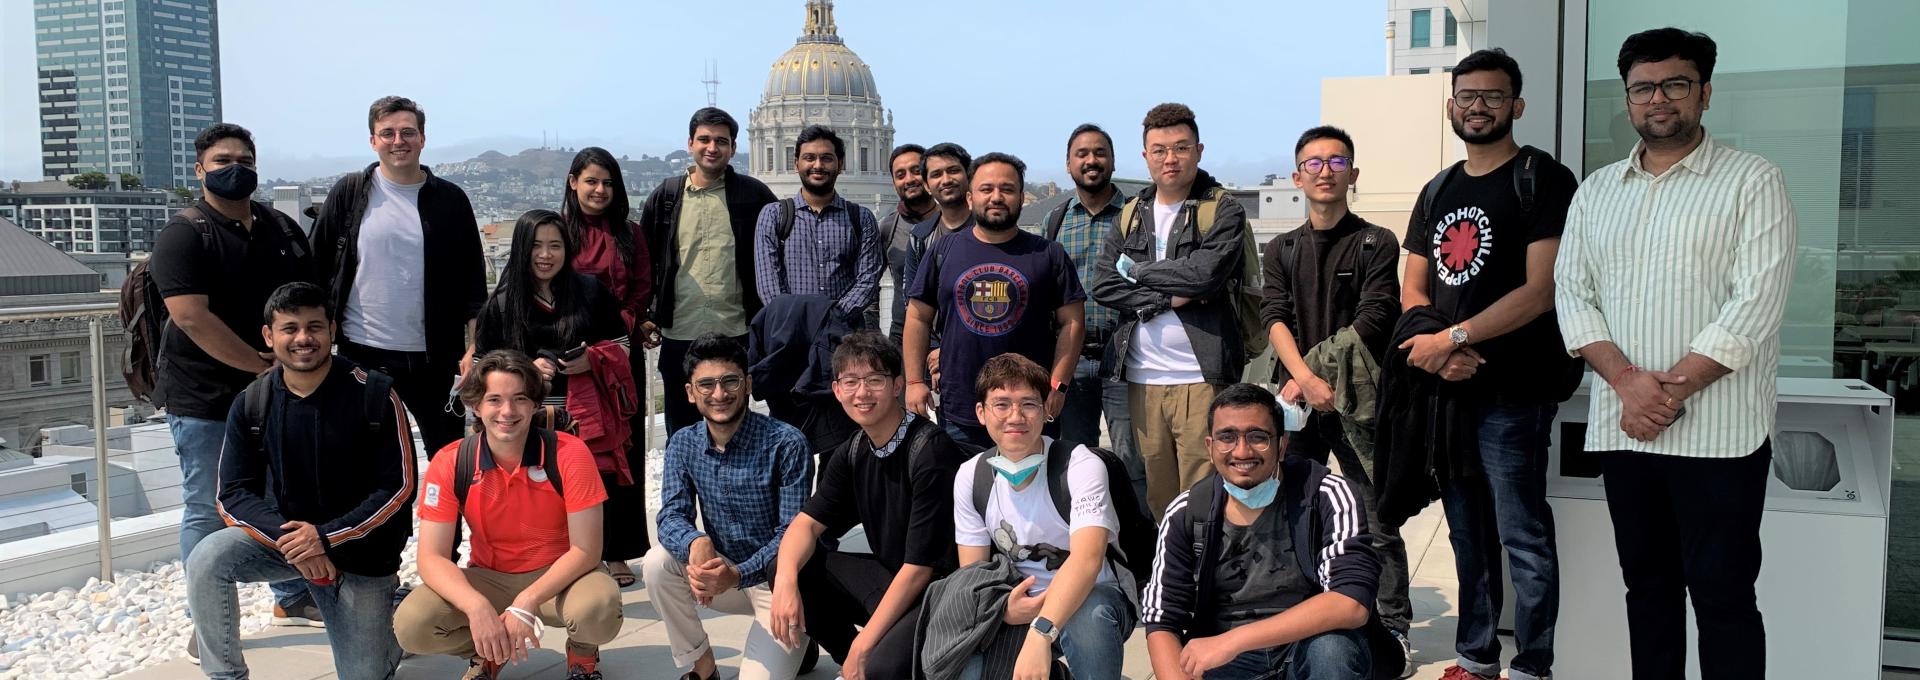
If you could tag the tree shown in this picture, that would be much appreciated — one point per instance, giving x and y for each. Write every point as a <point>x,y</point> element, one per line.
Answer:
<point>182,193</point>
<point>88,180</point>
<point>129,181</point>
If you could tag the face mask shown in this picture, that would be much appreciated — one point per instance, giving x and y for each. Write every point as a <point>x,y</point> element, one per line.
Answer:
<point>1017,473</point>
<point>234,182</point>
<point>1260,496</point>
<point>1294,415</point>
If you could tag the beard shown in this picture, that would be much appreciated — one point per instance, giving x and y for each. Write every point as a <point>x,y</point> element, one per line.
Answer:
<point>1496,132</point>
<point>822,188</point>
<point>1011,221</point>
<point>1675,129</point>
<point>1106,180</point>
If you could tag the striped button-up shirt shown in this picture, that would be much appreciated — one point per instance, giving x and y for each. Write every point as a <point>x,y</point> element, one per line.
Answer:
<point>747,494</point>
<point>1695,260</point>
<point>834,252</point>
<point>1081,231</point>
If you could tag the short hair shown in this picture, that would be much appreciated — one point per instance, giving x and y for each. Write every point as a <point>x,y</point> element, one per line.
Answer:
<point>293,297</point>
<point>1008,371</point>
<point>216,132</point>
<point>1245,394</point>
<point>814,133</point>
<point>714,347</point>
<point>1495,59</point>
<point>1324,132</point>
<point>1168,115</point>
<point>1019,168</point>
<point>1085,128</point>
<point>869,348</point>
<point>389,105</point>
<point>1661,44</point>
<point>952,151</point>
<point>474,387</point>
<point>903,150</point>
<point>713,116</point>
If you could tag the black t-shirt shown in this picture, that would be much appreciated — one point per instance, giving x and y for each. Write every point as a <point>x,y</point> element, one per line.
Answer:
<point>1476,243</point>
<point>905,500</point>
<point>598,320</point>
<point>237,272</point>
<point>1258,574</point>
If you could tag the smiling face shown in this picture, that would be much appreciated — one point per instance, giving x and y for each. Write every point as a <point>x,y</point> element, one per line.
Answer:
<point>1013,416</point>
<point>719,390</point>
<point>711,147</point>
<point>593,188</point>
<point>909,179</point>
<point>397,139</point>
<point>946,180</point>
<point>1090,162</point>
<point>818,165</point>
<point>1326,186</point>
<point>301,340</point>
<point>997,196</point>
<point>1242,464</point>
<point>1478,123</point>
<point>869,396</point>
<point>1173,155</point>
<point>549,252</point>
<point>505,409</point>
<point>1663,118</point>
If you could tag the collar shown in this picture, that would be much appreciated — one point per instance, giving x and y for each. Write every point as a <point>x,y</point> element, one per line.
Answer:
<point>220,219</point>
<point>899,437</point>
<point>1700,160</point>
<point>838,202</point>
<point>1118,201</point>
<point>717,186</point>
<point>749,422</point>
<point>485,455</point>
<point>1348,223</point>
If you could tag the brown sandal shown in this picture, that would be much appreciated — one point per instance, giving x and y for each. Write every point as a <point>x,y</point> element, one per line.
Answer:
<point>622,574</point>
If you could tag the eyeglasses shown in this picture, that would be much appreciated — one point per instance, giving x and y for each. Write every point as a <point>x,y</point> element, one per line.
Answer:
<point>388,135</point>
<point>826,158</point>
<point>1675,90</point>
<point>1257,440</point>
<point>1160,152</point>
<point>874,382</point>
<point>1339,164</point>
<point>1005,407</point>
<point>731,384</point>
<point>1495,99</point>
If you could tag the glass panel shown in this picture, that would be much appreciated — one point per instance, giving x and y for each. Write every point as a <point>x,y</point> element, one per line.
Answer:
<point>1453,30</point>
<point>1422,33</point>
<point>1838,109</point>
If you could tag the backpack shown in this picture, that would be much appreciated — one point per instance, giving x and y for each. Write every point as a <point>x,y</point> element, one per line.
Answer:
<point>1525,179</point>
<point>1244,285</point>
<point>548,458</point>
<point>254,401</point>
<point>1054,220</point>
<point>1138,534</point>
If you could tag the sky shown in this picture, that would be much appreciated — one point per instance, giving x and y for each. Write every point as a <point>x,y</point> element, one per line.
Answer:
<point>993,75</point>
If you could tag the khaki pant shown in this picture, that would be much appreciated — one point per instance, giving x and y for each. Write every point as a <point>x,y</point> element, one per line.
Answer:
<point>763,657</point>
<point>1170,432</point>
<point>589,609</point>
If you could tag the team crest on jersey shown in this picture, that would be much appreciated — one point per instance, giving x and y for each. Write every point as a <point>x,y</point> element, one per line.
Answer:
<point>432,495</point>
<point>993,298</point>
<point>1461,243</point>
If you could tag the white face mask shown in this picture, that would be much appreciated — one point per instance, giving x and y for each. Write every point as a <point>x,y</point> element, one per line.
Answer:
<point>1294,414</point>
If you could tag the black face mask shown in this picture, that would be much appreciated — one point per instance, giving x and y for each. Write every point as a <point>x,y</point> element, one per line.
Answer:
<point>234,182</point>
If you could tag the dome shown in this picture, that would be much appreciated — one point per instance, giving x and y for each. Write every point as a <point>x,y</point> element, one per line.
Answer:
<point>820,65</point>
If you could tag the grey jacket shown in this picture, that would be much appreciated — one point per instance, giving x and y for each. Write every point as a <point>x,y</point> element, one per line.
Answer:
<point>1345,362</point>
<point>961,618</point>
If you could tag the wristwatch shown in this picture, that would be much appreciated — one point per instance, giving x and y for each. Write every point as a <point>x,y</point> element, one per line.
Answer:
<point>1457,334</point>
<point>1045,628</point>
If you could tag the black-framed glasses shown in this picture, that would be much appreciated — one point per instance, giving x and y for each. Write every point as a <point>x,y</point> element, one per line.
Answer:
<point>1494,99</point>
<point>1257,440</point>
<point>1675,90</point>
<point>730,383</point>
<point>1338,164</point>
<point>874,382</point>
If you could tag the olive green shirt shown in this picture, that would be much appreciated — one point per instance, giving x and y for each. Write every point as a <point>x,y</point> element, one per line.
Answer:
<point>706,289</point>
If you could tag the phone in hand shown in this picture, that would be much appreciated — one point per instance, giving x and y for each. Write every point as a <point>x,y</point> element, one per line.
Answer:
<point>574,353</point>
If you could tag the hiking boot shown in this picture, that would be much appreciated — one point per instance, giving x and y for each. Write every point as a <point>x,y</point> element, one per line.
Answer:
<point>301,613</point>
<point>479,669</point>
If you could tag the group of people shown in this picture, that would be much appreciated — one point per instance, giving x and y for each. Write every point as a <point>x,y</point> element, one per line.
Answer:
<point>1428,367</point>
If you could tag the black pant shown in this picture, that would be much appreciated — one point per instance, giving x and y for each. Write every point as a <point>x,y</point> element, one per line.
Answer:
<point>839,591</point>
<point>673,379</point>
<point>1322,437</point>
<point>1689,528</point>
<point>423,386</point>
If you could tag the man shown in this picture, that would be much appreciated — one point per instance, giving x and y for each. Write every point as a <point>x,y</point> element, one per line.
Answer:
<point>534,507</point>
<point>896,229</point>
<point>1021,295</point>
<point>402,251</point>
<point>1079,226</point>
<point>1683,403</point>
<point>701,230</point>
<point>1331,293</point>
<point>749,475</point>
<point>1179,337</point>
<point>819,243</point>
<point>895,478</point>
<point>1480,253</point>
<point>318,489</point>
<point>1284,583</point>
<point>214,265</point>
<point>946,171</point>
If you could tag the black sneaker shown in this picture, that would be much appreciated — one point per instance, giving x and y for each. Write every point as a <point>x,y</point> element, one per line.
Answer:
<point>302,613</point>
<point>811,659</point>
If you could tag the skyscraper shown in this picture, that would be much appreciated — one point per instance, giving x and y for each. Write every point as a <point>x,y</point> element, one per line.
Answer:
<point>125,85</point>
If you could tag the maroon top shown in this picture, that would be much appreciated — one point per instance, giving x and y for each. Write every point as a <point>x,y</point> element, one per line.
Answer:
<point>599,258</point>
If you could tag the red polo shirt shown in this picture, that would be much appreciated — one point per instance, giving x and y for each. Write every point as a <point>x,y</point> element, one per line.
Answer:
<point>519,524</point>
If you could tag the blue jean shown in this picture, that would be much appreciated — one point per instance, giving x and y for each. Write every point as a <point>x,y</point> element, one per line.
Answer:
<point>1088,397</point>
<point>197,441</point>
<point>1507,508</point>
<point>1333,655</point>
<point>1093,640</point>
<point>358,609</point>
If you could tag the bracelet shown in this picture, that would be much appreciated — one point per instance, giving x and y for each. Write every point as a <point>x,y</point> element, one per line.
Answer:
<point>1624,372</point>
<point>532,621</point>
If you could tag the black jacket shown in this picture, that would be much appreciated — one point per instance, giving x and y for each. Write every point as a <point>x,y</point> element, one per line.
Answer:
<point>455,270</point>
<point>1195,268</point>
<point>322,461</point>
<point>660,223</point>
<point>1359,285</point>
<point>1428,427</point>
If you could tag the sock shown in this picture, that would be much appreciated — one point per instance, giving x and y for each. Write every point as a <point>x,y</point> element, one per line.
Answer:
<point>586,663</point>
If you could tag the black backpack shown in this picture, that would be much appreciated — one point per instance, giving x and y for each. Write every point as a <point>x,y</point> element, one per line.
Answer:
<point>1138,534</point>
<point>548,458</point>
<point>1525,179</point>
<point>254,400</point>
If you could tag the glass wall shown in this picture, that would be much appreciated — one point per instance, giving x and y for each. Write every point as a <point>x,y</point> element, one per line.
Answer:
<point>1830,92</point>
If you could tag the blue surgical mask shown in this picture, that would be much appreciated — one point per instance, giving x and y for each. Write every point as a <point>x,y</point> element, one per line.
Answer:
<point>1294,416</point>
<point>1017,473</point>
<point>1260,496</point>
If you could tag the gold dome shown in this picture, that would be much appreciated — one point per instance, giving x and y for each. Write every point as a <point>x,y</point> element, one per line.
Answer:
<point>820,65</point>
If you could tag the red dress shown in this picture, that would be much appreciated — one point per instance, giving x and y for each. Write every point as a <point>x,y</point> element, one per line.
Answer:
<point>625,510</point>
<point>599,257</point>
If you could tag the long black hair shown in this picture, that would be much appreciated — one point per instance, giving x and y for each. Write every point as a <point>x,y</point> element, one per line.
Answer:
<point>513,302</point>
<point>617,209</point>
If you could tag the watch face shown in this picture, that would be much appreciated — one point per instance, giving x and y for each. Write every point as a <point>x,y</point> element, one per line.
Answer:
<point>1458,336</point>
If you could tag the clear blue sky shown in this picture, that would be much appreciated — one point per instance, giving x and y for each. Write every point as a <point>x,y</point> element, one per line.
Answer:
<point>1005,75</point>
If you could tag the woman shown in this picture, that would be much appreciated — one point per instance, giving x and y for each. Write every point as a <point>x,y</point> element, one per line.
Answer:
<point>611,250</point>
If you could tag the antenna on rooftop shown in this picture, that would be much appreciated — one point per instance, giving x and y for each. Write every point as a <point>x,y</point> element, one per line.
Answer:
<point>712,81</point>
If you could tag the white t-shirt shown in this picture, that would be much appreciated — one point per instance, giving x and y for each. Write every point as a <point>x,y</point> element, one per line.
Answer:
<point>1029,514</point>
<point>1162,353</point>
<point>387,306</point>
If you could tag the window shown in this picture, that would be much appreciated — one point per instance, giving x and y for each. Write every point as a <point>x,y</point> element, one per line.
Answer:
<point>40,370</point>
<point>1422,33</point>
<point>863,159</point>
<point>1453,29</point>
<point>44,370</point>
<point>1419,71</point>
<point>69,368</point>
